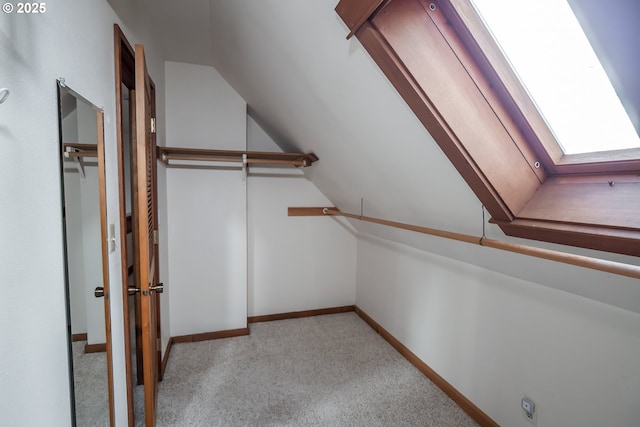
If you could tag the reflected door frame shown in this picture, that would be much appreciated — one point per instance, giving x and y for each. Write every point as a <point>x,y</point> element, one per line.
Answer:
<point>105,259</point>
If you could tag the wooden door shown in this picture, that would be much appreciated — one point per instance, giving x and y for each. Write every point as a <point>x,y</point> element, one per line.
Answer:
<point>144,200</point>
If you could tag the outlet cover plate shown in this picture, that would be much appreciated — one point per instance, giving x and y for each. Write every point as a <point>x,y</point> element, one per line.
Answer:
<point>533,420</point>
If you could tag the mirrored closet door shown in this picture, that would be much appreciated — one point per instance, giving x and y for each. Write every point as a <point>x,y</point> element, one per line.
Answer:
<point>84,223</point>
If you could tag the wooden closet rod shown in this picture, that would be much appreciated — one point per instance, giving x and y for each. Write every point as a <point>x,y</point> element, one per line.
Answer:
<point>212,158</point>
<point>72,150</point>
<point>165,154</point>
<point>80,154</point>
<point>612,267</point>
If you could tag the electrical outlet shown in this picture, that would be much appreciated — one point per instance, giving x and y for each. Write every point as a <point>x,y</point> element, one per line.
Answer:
<point>529,410</point>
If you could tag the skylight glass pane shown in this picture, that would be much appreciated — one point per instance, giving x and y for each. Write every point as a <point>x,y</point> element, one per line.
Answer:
<point>549,51</point>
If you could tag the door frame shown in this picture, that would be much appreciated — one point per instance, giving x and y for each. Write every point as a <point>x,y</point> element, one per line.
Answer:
<point>125,74</point>
<point>144,197</point>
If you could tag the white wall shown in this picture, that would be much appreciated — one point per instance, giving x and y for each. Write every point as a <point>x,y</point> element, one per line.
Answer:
<point>75,251</point>
<point>497,338</point>
<point>207,250</point>
<point>202,110</point>
<point>36,51</point>
<point>295,263</point>
<point>74,40</point>
<point>90,219</point>
<point>84,252</point>
<point>206,207</point>
<point>92,256</point>
<point>82,208</point>
<point>163,252</point>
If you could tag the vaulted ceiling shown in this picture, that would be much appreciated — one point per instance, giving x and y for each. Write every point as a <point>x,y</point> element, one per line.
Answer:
<point>313,90</point>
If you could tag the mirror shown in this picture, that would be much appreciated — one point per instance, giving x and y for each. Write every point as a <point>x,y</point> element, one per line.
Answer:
<point>84,224</point>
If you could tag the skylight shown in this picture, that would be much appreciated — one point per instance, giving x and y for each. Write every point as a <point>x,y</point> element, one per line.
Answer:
<point>546,46</point>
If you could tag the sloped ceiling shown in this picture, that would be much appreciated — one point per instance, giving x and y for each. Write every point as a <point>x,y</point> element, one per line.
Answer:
<point>313,90</point>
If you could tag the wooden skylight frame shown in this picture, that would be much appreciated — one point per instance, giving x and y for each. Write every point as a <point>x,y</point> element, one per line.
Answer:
<point>446,66</point>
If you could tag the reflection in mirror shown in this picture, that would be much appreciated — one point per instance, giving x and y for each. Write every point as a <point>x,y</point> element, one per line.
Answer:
<point>82,178</point>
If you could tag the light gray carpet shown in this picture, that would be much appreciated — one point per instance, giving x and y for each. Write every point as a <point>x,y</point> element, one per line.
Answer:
<point>90,381</point>
<point>329,370</point>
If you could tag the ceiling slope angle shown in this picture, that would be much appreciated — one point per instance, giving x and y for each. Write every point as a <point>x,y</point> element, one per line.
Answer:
<point>304,85</point>
<point>312,90</point>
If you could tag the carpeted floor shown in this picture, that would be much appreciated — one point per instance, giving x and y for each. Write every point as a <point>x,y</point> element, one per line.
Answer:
<point>328,370</point>
<point>90,381</point>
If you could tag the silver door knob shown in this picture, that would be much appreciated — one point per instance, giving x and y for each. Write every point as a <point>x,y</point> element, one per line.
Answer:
<point>159,288</point>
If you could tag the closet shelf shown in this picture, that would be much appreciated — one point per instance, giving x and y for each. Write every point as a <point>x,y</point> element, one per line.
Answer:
<point>75,150</point>
<point>166,154</point>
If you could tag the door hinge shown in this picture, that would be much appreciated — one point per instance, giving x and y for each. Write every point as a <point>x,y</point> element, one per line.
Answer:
<point>155,237</point>
<point>159,344</point>
<point>153,125</point>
